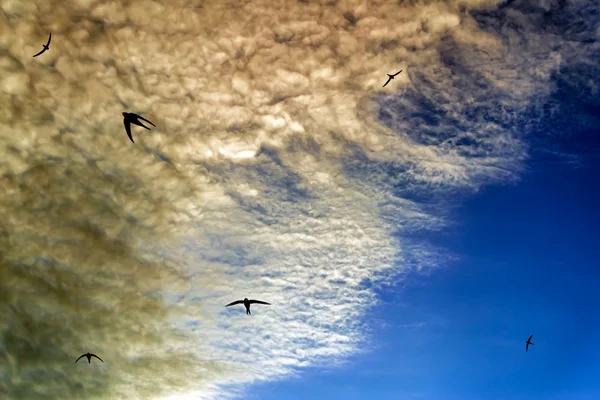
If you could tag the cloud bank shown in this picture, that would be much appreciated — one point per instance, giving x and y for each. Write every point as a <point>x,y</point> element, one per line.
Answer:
<point>279,170</point>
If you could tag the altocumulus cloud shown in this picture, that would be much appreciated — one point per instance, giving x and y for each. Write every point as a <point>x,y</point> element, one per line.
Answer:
<point>279,170</point>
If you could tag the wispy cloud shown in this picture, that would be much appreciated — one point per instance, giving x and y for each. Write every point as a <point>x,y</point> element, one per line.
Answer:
<point>279,170</point>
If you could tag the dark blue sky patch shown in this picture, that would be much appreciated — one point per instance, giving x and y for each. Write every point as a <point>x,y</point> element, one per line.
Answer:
<point>569,121</point>
<point>572,21</point>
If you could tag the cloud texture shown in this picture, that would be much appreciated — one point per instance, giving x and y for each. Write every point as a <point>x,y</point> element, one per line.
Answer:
<point>279,170</point>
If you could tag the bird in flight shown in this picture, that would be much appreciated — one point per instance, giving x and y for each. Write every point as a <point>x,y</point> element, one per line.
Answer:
<point>391,77</point>
<point>131,118</point>
<point>46,46</point>
<point>528,343</point>
<point>89,357</point>
<point>247,303</point>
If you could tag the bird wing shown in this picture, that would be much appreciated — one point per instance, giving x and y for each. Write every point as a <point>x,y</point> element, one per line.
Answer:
<point>529,338</point>
<point>128,129</point>
<point>93,355</point>
<point>146,121</point>
<point>234,303</point>
<point>388,81</point>
<point>43,50</point>
<point>259,302</point>
<point>527,347</point>
<point>139,123</point>
<point>49,39</point>
<point>397,72</point>
<point>80,357</point>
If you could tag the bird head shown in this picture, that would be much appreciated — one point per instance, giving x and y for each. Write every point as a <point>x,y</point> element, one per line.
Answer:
<point>124,114</point>
<point>245,299</point>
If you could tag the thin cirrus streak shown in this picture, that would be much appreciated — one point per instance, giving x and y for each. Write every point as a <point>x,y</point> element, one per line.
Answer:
<point>280,170</point>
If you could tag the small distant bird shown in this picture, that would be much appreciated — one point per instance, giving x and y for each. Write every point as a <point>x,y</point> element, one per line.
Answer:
<point>247,303</point>
<point>89,357</point>
<point>528,343</point>
<point>46,46</point>
<point>391,77</point>
<point>131,118</point>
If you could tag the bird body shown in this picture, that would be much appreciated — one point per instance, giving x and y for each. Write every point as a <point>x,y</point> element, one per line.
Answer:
<point>529,342</point>
<point>390,77</point>
<point>46,46</point>
<point>89,357</point>
<point>131,118</point>
<point>247,303</point>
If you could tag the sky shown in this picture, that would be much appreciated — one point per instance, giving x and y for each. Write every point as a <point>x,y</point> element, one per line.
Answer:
<point>409,238</point>
<point>529,267</point>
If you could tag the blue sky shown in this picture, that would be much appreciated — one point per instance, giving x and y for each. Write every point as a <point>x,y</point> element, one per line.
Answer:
<point>528,264</point>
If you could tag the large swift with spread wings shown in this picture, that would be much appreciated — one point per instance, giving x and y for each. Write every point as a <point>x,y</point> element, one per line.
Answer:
<point>89,357</point>
<point>131,118</point>
<point>247,303</point>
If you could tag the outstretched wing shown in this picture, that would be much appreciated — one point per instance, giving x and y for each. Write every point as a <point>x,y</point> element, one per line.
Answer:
<point>235,302</point>
<point>80,358</point>
<point>527,347</point>
<point>128,129</point>
<point>259,302</point>
<point>388,81</point>
<point>49,39</point>
<point>397,72</point>
<point>529,338</point>
<point>43,50</point>
<point>146,121</point>
<point>93,355</point>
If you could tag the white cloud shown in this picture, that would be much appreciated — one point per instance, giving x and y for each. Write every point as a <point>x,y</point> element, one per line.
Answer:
<point>281,183</point>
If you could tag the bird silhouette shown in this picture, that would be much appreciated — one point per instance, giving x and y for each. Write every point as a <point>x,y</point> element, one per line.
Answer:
<point>131,118</point>
<point>46,46</point>
<point>528,343</point>
<point>247,303</point>
<point>391,77</point>
<point>89,357</point>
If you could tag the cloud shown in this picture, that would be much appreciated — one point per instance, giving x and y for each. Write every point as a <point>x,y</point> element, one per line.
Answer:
<point>279,170</point>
